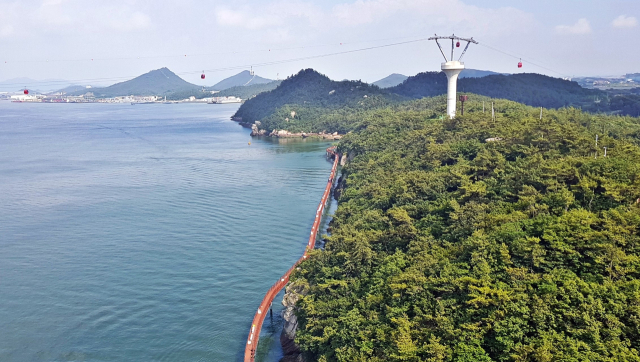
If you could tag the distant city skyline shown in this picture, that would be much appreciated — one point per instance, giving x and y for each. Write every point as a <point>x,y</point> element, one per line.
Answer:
<point>93,42</point>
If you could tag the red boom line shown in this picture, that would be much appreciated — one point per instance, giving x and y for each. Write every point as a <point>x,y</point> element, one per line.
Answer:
<point>258,319</point>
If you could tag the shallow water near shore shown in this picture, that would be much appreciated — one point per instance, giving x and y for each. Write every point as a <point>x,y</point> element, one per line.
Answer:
<point>146,232</point>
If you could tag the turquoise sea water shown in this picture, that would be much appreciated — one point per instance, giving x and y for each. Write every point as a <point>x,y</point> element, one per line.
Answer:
<point>146,232</point>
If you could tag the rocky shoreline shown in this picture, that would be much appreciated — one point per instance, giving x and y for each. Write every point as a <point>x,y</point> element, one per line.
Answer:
<point>283,133</point>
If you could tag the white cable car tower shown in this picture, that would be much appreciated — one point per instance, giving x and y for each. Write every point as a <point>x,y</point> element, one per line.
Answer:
<point>452,69</point>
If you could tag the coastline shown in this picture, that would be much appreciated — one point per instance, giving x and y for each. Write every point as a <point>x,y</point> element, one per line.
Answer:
<point>283,133</point>
<point>295,290</point>
<point>258,319</point>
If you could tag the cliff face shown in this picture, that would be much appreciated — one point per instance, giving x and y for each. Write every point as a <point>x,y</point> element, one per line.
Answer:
<point>293,292</point>
<point>342,181</point>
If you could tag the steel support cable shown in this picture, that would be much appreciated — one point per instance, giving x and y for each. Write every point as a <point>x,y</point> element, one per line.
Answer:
<point>276,62</point>
<point>264,50</point>
<point>633,101</point>
<point>245,66</point>
<point>525,59</point>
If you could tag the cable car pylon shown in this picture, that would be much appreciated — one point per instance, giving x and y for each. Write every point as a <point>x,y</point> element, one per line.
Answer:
<point>452,68</point>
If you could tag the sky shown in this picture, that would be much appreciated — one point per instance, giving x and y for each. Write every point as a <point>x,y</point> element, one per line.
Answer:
<point>103,42</point>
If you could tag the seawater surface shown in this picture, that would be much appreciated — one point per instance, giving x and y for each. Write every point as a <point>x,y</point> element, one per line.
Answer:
<point>146,232</point>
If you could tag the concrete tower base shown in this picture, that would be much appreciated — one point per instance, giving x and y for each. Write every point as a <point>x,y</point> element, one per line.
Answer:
<point>452,69</point>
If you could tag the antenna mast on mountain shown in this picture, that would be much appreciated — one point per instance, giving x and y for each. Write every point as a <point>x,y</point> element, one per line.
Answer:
<point>452,68</point>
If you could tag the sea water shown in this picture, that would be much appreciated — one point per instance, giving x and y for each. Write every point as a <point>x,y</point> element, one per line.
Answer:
<point>145,232</point>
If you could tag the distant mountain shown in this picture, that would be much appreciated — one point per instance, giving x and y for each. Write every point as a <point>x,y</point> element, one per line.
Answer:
<point>17,84</point>
<point>311,89</point>
<point>532,89</point>
<point>634,76</point>
<point>391,80</point>
<point>248,91</point>
<point>73,89</point>
<point>241,79</point>
<point>474,73</point>
<point>243,91</point>
<point>157,82</point>
<point>395,78</point>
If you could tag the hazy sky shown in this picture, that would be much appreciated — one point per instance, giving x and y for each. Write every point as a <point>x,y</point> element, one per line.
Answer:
<point>44,39</point>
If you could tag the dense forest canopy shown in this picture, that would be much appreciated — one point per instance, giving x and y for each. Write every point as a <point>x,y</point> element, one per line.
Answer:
<point>472,239</point>
<point>476,239</point>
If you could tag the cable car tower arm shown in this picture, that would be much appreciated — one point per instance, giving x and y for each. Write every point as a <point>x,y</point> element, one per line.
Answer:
<point>453,39</point>
<point>441,51</point>
<point>464,51</point>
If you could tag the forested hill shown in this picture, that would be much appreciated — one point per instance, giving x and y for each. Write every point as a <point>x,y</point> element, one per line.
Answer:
<point>476,239</point>
<point>531,89</point>
<point>321,104</point>
<point>311,89</point>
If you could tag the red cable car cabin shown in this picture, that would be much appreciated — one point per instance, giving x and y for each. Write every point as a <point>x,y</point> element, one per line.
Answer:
<point>202,76</point>
<point>26,91</point>
<point>458,45</point>
<point>520,64</point>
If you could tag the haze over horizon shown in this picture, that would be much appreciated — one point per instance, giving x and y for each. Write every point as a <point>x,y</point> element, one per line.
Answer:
<point>92,42</point>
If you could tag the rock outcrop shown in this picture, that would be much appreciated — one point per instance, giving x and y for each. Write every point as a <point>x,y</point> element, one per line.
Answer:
<point>342,180</point>
<point>283,133</point>
<point>343,160</point>
<point>293,292</point>
<point>255,129</point>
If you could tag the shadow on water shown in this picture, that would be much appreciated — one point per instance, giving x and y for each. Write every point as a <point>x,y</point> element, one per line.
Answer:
<point>296,145</point>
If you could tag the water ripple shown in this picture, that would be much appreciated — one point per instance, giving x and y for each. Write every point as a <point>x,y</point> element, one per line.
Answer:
<point>142,233</point>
